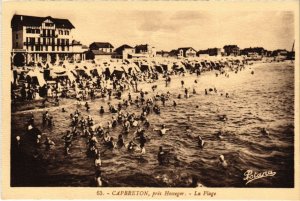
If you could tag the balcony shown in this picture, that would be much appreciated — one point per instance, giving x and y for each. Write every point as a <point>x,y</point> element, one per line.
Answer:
<point>49,35</point>
<point>19,50</point>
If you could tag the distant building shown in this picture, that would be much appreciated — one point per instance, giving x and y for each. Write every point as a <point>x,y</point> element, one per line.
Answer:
<point>210,52</point>
<point>255,50</point>
<point>144,51</point>
<point>163,53</point>
<point>124,52</point>
<point>231,50</point>
<point>280,54</point>
<point>186,52</point>
<point>173,53</point>
<point>102,46</point>
<point>43,39</point>
<point>100,51</point>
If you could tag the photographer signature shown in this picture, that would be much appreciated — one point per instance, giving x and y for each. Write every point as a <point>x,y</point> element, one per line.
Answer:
<point>250,175</point>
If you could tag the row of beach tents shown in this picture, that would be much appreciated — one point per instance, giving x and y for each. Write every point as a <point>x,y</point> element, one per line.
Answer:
<point>48,71</point>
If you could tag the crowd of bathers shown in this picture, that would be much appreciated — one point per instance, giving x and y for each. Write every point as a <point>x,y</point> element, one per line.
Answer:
<point>134,126</point>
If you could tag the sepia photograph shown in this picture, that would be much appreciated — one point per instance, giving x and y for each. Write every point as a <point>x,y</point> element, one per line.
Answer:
<point>107,96</point>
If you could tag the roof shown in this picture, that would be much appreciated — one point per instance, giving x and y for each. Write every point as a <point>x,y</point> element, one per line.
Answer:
<point>122,47</point>
<point>102,45</point>
<point>142,47</point>
<point>173,52</point>
<point>186,48</point>
<point>75,42</point>
<point>25,20</point>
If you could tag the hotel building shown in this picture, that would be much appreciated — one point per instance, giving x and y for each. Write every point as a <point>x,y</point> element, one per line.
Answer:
<point>43,39</point>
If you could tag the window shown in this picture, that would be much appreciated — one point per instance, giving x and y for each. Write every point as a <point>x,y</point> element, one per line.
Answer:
<point>37,31</point>
<point>48,24</point>
<point>16,36</point>
<point>66,32</point>
<point>17,44</point>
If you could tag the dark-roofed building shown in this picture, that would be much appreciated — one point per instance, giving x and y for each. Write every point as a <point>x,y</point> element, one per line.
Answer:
<point>42,39</point>
<point>124,51</point>
<point>102,46</point>
<point>186,52</point>
<point>173,53</point>
<point>144,51</point>
<point>251,50</point>
<point>162,53</point>
<point>231,50</point>
<point>100,51</point>
<point>210,52</point>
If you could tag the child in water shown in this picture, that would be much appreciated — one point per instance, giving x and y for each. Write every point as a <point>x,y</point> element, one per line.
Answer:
<point>163,130</point>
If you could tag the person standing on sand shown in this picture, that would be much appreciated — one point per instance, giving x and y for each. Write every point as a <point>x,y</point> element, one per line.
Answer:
<point>182,83</point>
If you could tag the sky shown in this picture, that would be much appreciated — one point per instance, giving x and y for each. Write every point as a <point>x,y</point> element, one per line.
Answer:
<point>166,30</point>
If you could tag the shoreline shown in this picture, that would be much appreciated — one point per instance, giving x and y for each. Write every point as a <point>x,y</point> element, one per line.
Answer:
<point>145,86</point>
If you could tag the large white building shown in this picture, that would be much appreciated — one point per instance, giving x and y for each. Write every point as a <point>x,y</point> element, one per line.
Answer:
<point>43,39</point>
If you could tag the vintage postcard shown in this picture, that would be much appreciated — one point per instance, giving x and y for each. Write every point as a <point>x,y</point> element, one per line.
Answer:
<point>150,100</point>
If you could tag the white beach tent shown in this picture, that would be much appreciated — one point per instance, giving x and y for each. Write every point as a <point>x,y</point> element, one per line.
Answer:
<point>36,74</point>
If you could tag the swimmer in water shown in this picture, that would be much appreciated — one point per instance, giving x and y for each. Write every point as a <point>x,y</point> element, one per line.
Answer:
<point>264,131</point>
<point>223,117</point>
<point>174,104</point>
<point>161,156</point>
<point>146,123</point>
<point>98,162</point>
<point>131,146</point>
<point>201,142</point>
<point>163,130</point>
<point>18,141</point>
<point>120,142</point>
<point>188,131</point>
<point>223,161</point>
<point>220,134</point>
<point>49,143</point>
<point>87,106</point>
<point>98,179</point>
